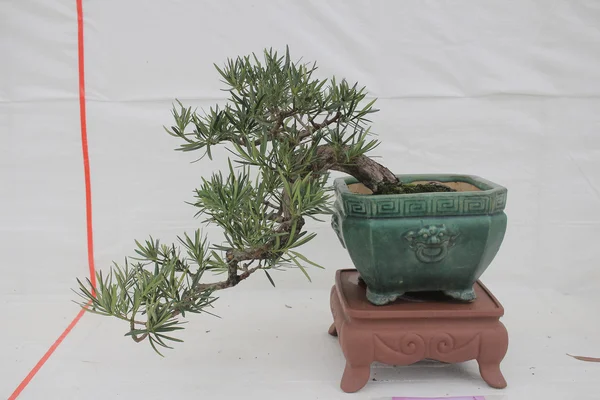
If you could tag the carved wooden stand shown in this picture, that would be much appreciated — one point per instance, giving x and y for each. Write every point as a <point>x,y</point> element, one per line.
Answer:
<point>403,332</point>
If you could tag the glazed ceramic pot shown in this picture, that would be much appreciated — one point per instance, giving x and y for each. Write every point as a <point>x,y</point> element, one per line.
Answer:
<point>440,241</point>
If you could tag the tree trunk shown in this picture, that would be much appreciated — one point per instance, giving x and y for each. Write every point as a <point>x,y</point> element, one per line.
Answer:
<point>368,172</point>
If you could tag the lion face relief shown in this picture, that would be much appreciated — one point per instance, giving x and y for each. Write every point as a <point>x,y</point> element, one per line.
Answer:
<point>431,243</point>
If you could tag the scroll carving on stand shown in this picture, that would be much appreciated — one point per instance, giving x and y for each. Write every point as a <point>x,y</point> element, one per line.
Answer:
<point>411,347</point>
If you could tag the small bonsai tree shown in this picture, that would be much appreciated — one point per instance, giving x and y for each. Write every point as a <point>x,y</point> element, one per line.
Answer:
<point>286,128</point>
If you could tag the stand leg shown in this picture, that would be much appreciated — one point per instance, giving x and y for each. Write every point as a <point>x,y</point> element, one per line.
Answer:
<point>493,349</point>
<point>355,378</point>
<point>332,330</point>
<point>492,376</point>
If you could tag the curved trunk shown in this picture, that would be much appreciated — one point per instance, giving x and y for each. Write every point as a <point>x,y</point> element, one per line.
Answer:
<point>368,172</point>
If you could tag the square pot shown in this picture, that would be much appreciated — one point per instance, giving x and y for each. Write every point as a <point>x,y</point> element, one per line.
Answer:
<point>440,241</point>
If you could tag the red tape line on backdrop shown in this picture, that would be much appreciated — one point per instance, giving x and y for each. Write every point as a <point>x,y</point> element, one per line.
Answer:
<point>88,205</point>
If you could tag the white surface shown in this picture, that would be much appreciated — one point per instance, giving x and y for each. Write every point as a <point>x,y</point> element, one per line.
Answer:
<point>509,90</point>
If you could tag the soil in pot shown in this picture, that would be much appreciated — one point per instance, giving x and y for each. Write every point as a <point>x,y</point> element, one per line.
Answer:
<point>417,187</point>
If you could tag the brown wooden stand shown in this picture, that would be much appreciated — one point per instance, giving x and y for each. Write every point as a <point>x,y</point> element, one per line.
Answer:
<point>405,332</point>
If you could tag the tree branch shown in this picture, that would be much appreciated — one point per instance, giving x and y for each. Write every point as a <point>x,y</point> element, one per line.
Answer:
<point>316,126</point>
<point>234,257</point>
<point>327,121</point>
<point>135,337</point>
<point>275,130</point>
<point>226,284</point>
<point>201,287</point>
<point>268,203</point>
<point>297,118</point>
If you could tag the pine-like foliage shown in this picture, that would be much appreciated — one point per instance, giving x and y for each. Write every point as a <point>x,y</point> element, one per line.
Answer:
<point>282,125</point>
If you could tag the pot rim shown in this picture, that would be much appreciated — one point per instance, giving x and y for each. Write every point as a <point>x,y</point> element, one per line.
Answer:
<point>491,199</point>
<point>483,184</point>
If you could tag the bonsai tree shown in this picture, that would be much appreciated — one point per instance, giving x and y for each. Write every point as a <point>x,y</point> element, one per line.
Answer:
<point>286,130</point>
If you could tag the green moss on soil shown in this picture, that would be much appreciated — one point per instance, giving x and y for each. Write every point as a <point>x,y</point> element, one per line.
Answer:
<point>409,188</point>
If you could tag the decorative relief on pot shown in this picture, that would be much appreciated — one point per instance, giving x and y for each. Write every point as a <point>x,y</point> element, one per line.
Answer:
<point>476,203</point>
<point>356,207</point>
<point>431,243</point>
<point>416,207</point>
<point>335,224</point>
<point>500,202</point>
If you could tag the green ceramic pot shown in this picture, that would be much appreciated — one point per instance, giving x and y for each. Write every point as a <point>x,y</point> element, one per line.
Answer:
<point>440,241</point>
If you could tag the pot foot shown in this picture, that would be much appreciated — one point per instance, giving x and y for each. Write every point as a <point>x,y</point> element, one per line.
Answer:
<point>462,295</point>
<point>380,299</point>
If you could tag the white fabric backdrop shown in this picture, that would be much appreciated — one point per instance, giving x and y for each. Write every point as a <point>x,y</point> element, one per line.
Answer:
<point>508,90</point>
